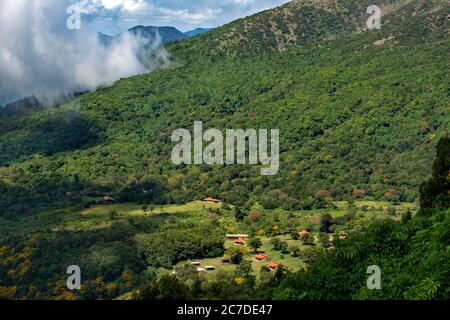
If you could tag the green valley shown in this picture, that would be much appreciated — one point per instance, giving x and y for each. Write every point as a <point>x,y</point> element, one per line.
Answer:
<point>362,116</point>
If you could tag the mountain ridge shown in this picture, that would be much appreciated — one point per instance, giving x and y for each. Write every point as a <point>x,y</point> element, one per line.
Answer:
<point>155,34</point>
<point>312,22</point>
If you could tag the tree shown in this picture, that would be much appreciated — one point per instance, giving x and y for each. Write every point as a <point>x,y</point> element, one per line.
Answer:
<point>322,194</point>
<point>147,190</point>
<point>265,275</point>
<point>294,234</point>
<point>391,212</point>
<point>407,216</point>
<point>359,193</point>
<point>255,215</point>
<point>128,279</point>
<point>434,193</point>
<point>280,245</point>
<point>276,230</point>
<point>255,243</point>
<point>239,214</point>
<point>186,271</point>
<point>324,240</point>
<point>326,221</point>
<point>284,247</point>
<point>276,243</point>
<point>171,288</point>
<point>279,273</point>
<point>311,254</point>
<point>244,269</point>
<point>295,250</point>
<point>308,239</point>
<point>236,254</point>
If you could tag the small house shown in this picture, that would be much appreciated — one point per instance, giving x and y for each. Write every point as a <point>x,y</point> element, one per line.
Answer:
<point>261,257</point>
<point>211,200</point>
<point>195,263</point>
<point>210,268</point>
<point>237,236</point>
<point>108,199</point>
<point>273,265</point>
<point>201,270</point>
<point>239,242</point>
<point>304,234</point>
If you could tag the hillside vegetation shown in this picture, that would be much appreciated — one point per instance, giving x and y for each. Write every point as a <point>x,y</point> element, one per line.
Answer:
<point>362,112</point>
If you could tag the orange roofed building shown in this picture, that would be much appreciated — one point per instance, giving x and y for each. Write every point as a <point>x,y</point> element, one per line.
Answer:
<point>304,234</point>
<point>273,265</point>
<point>262,257</point>
<point>211,200</point>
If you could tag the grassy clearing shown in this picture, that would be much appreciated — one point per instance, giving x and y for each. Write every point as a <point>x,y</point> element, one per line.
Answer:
<point>134,209</point>
<point>101,216</point>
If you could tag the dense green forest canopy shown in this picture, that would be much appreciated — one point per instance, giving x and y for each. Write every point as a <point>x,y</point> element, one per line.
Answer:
<point>359,111</point>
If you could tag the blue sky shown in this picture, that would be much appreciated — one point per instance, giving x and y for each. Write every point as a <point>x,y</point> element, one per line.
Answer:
<point>114,16</point>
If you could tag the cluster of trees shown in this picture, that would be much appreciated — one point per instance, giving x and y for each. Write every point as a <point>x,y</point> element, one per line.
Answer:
<point>113,260</point>
<point>237,284</point>
<point>171,245</point>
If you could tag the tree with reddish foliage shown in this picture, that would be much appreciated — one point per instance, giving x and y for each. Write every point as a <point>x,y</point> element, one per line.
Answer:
<point>322,194</point>
<point>255,215</point>
<point>359,193</point>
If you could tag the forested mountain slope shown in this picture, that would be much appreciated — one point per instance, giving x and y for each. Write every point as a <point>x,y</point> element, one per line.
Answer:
<point>357,109</point>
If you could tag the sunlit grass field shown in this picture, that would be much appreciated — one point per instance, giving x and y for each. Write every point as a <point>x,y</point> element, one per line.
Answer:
<point>101,216</point>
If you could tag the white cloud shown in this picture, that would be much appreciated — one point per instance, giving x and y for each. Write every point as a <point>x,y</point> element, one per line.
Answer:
<point>183,14</point>
<point>39,56</point>
<point>129,5</point>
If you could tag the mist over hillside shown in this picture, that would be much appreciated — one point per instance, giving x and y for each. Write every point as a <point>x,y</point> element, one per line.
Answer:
<point>46,60</point>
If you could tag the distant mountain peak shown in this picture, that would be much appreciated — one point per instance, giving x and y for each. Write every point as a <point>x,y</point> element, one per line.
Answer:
<point>164,34</point>
<point>196,32</point>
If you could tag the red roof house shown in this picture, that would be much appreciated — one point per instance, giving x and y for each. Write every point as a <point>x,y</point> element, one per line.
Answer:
<point>261,257</point>
<point>304,234</point>
<point>273,265</point>
<point>108,199</point>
